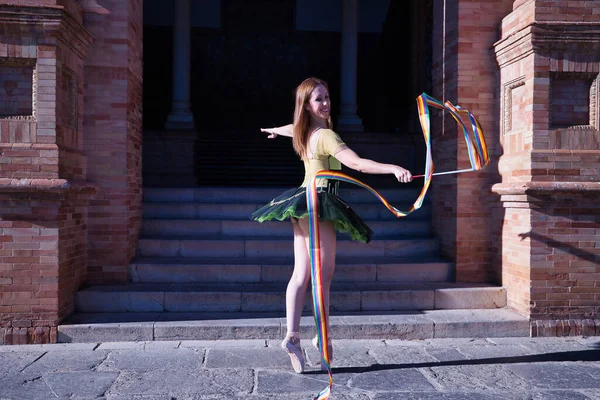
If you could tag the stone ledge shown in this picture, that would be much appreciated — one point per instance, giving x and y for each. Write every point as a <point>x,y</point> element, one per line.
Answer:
<point>527,189</point>
<point>409,325</point>
<point>10,185</point>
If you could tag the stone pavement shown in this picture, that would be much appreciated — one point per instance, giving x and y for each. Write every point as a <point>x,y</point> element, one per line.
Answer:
<point>449,369</point>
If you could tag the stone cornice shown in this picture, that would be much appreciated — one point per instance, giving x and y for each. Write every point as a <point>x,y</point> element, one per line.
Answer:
<point>561,35</point>
<point>548,36</point>
<point>51,20</point>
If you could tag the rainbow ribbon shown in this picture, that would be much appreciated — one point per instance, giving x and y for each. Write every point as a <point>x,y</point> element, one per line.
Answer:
<point>475,140</point>
<point>478,155</point>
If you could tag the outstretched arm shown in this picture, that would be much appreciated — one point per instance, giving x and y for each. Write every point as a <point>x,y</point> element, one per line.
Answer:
<point>351,160</point>
<point>285,130</point>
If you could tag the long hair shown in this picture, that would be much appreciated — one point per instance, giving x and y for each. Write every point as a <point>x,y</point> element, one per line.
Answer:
<point>302,115</point>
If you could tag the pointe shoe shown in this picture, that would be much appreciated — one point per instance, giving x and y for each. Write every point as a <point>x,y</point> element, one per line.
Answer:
<point>315,343</point>
<point>295,353</point>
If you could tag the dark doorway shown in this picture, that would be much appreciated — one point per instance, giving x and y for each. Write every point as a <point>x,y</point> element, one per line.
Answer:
<point>244,72</point>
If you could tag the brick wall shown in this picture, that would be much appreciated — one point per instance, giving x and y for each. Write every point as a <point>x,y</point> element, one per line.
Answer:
<point>43,251</point>
<point>551,145</point>
<point>112,135</point>
<point>43,196</point>
<point>444,86</point>
<point>465,74</point>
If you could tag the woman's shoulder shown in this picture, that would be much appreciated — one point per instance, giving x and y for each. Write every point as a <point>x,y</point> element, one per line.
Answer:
<point>328,132</point>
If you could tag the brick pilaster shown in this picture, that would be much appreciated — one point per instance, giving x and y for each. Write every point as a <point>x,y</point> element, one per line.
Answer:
<point>43,192</point>
<point>549,89</point>
<point>465,74</point>
<point>113,131</point>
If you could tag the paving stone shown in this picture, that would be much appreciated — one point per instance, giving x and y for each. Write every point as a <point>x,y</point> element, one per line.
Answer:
<point>558,376</point>
<point>339,394</point>
<point>343,355</point>
<point>122,346</point>
<point>445,354</point>
<point>547,344</point>
<point>80,384</point>
<point>492,351</point>
<point>432,369</point>
<point>123,360</point>
<point>227,344</point>
<point>250,358</point>
<point>478,377</point>
<point>224,382</point>
<point>171,344</point>
<point>402,355</point>
<point>563,395</point>
<point>12,363</point>
<point>66,361</point>
<point>592,394</point>
<point>277,382</point>
<point>395,379</point>
<point>21,387</point>
<point>149,397</point>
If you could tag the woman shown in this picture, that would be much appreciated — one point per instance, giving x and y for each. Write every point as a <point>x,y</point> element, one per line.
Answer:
<point>315,143</point>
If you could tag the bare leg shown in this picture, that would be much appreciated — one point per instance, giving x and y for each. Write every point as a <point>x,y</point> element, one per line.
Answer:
<point>298,284</point>
<point>294,299</point>
<point>328,243</point>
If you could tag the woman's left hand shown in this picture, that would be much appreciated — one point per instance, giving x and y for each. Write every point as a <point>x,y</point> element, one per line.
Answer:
<point>403,175</point>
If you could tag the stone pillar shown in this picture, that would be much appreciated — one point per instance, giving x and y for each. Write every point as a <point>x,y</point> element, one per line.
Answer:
<point>43,189</point>
<point>348,119</point>
<point>181,117</point>
<point>549,86</point>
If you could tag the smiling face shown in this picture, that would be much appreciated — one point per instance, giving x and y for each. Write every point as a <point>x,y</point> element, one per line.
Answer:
<point>318,104</point>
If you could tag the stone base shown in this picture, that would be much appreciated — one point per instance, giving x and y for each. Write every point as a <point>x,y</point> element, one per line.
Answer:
<point>32,335</point>
<point>566,327</point>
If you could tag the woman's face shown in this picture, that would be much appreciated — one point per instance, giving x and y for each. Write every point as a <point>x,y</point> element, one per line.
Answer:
<point>318,103</point>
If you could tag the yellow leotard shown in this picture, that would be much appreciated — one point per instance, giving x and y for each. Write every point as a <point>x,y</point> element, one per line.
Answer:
<point>328,144</point>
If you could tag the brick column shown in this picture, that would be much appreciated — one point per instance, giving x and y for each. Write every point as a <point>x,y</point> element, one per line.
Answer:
<point>549,89</point>
<point>113,137</point>
<point>43,192</point>
<point>465,73</point>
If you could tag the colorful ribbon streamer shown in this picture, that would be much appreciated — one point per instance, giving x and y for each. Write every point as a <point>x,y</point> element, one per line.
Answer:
<point>475,141</point>
<point>479,158</point>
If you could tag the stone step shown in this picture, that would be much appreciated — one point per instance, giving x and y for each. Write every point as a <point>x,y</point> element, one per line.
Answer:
<point>245,270</point>
<point>226,228</point>
<point>420,325</point>
<point>277,247</point>
<point>217,195</point>
<point>242,211</point>
<point>345,297</point>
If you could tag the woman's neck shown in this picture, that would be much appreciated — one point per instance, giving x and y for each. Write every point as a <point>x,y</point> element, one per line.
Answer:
<point>314,125</point>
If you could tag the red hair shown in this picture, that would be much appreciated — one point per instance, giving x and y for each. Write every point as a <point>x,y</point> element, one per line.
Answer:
<point>302,116</point>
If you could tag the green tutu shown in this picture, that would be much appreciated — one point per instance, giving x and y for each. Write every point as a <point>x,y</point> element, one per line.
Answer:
<point>292,204</point>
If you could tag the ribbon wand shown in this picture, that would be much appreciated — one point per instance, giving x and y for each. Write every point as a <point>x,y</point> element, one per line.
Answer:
<point>445,173</point>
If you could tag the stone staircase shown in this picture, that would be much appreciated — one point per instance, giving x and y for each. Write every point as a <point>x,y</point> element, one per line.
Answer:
<point>200,257</point>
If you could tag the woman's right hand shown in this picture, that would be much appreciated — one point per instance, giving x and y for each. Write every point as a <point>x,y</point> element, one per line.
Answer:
<point>285,130</point>
<point>403,175</point>
<point>271,131</point>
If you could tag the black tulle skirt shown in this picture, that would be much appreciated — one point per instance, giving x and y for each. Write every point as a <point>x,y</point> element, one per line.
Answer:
<point>292,204</point>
